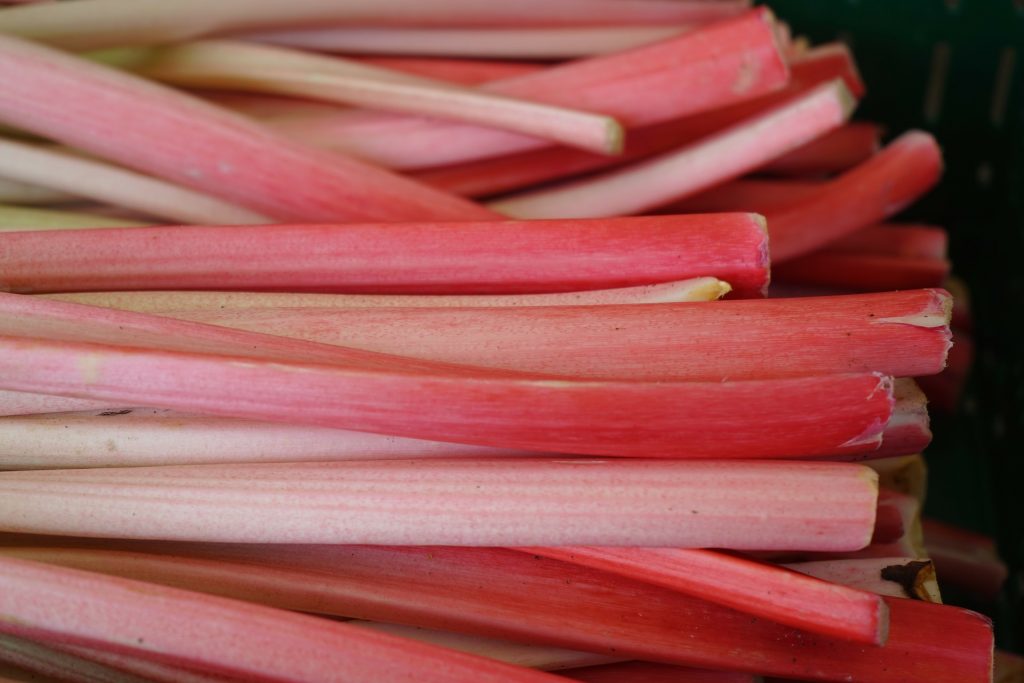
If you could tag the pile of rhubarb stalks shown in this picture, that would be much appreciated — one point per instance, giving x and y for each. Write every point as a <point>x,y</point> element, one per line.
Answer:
<point>433,341</point>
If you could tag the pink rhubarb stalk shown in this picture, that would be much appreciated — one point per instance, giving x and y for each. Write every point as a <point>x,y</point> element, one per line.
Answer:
<point>112,23</point>
<point>235,65</point>
<point>46,663</point>
<point>723,156</point>
<point>761,195</point>
<point>131,437</point>
<point>727,62</point>
<point>461,71</point>
<point>903,334</point>
<point>908,430</point>
<point>478,502</point>
<point>748,586</point>
<point>508,594</point>
<point>877,189</point>
<point>560,42</point>
<point>13,192</point>
<point>408,258</point>
<point>898,577</point>
<point>835,152</point>
<point>192,143</point>
<point>203,632</point>
<point>897,239</point>
<point>102,182</point>
<point>692,290</point>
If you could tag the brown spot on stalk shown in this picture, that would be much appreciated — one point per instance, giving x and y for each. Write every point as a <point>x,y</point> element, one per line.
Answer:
<point>912,577</point>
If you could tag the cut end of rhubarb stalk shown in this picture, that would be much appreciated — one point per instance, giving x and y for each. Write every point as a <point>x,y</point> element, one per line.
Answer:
<point>873,434</point>
<point>615,136</point>
<point>765,256</point>
<point>916,578</point>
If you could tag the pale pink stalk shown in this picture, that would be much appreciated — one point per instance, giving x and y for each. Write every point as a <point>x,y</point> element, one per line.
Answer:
<point>692,290</point>
<point>91,179</point>
<point>131,437</point>
<point>904,334</point>
<point>560,42</point>
<point>479,502</point>
<point>727,62</point>
<point>219,635</point>
<point>507,594</point>
<point>113,23</point>
<point>18,218</point>
<point>464,71</point>
<point>25,403</point>
<point>192,143</point>
<point>898,577</point>
<point>545,658</point>
<point>751,587</point>
<point>675,175</point>
<point>490,257</point>
<point>235,65</point>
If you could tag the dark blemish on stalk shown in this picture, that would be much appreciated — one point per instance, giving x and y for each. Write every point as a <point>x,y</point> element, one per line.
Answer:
<point>108,413</point>
<point>909,576</point>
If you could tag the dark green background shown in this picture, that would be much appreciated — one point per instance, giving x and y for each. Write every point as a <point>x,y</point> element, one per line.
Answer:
<point>956,68</point>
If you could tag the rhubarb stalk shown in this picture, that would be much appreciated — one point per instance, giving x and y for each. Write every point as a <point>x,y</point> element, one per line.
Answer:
<point>898,577</point>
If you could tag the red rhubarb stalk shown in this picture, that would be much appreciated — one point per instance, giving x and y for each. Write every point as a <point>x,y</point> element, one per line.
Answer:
<point>764,196</point>
<point>507,594</point>
<point>235,65</point>
<point>862,272</point>
<point>834,152</point>
<point>909,429</point>
<point>897,239</point>
<point>751,587</point>
<point>649,672</point>
<point>560,42</point>
<point>202,632</point>
<point>880,187</point>
<point>898,577</point>
<point>898,333</point>
<point>409,258</point>
<point>478,502</point>
<point>693,290</point>
<point>192,143</point>
<point>112,23</point>
<point>95,180</point>
<point>728,62</point>
<point>671,176</point>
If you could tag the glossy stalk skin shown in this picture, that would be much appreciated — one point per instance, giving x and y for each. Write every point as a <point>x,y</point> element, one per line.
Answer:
<point>112,23</point>
<point>205,632</point>
<point>236,65</point>
<point>730,61</point>
<point>482,591</point>
<point>551,43</point>
<point>898,577</point>
<point>751,587</point>
<point>877,189</point>
<point>107,183</point>
<point>192,143</point>
<point>835,152</point>
<point>728,154</point>
<point>478,502</point>
<point>903,334</point>
<point>503,257</point>
<point>693,290</point>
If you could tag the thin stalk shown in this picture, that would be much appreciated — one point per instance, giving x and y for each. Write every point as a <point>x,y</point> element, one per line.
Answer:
<point>235,65</point>
<point>730,61</point>
<point>112,23</point>
<point>219,635</point>
<point>19,218</point>
<point>674,175</point>
<point>462,71</point>
<point>507,594</point>
<point>13,192</point>
<point>898,577</point>
<point>903,334</point>
<point>751,587</point>
<point>561,42</point>
<point>95,180</point>
<point>192,143</point>
<point>478,502</point>
<point>403,258</point>
<point>693,290</point>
